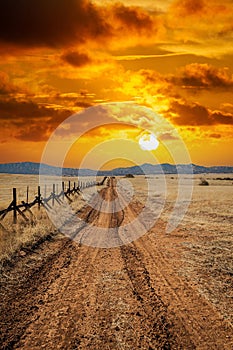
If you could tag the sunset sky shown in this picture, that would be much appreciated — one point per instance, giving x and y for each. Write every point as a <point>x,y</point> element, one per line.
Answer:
<point>58,57</point>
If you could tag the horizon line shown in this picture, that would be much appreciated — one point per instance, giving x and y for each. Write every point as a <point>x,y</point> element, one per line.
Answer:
<point>124,167</point>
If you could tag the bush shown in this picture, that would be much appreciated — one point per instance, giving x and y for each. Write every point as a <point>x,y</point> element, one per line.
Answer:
<point>203,182</point>
<point>129,176</point>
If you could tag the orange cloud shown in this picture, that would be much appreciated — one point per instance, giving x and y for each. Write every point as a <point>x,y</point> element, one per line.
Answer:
<point>200,8</point>
<point>215,136</point>
<point>194,114</point>
<point>188,7</point>
<point>6,87</point>
<point>201,27</point>
<point>133,18</point>
<point>76,59</point>
<point>56,23</point>
<point>204,76</point>
<point>162,93</point>
<point>29,121</point>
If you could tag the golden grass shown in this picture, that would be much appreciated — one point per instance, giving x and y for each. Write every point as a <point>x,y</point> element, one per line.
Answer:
<point>13,237</point>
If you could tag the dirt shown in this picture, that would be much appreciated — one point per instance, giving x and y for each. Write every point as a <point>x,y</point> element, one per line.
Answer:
<point>62,294</point>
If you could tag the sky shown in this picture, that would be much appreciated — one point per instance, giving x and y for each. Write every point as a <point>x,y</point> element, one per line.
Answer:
<point>61,57</point>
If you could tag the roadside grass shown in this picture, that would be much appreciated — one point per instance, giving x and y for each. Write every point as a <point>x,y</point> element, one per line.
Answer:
<point>23,235</point>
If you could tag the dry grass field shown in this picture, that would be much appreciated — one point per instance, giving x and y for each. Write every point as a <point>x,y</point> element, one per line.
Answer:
<point>162,291</point>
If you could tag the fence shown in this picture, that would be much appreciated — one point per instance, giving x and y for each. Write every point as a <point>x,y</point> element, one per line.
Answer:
<point>54,196</point>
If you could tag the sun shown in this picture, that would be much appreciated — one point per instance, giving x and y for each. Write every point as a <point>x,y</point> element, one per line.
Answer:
<point>148,142</point>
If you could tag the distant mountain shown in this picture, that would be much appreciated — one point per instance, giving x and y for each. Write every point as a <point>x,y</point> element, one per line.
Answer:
<point>36,168</point>
<point>145,169</point>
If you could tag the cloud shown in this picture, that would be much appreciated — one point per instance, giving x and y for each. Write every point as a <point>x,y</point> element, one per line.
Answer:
<point>201,27</point>
<point>222,118</point>
<point>196,115</point>
<point>83,104</point>
<point>203,9</point>
<point>76,59</point>
<point>6,87</point>
<point>13,109</point>
<point>50,23</point>
<point>29,121</point>
<point>203,76</point>
<point>58,23</point>
<point>83,99</point>
<point>190,114</point>
<point>227,107</point>
<point>133,18</point>
<point>33,132</point>
<point>188,7</point>
<point>215,136</point>
<point>167,136</point>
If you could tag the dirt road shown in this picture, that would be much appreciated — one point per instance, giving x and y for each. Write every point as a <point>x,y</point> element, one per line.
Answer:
<point>65,295</point>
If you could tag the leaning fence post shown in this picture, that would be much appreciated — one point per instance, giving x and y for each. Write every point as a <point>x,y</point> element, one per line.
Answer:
<point>39,197</point>
<point>14,203</point>
<point>63,189</point>
<point>27,194</point>
<point>53,193</point>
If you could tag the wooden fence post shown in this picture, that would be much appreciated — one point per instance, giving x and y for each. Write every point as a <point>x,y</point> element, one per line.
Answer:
<point>63,189</point>
<point>39,197</point>
<point>27,194</point>
<point>53,194</point>
<point>69,187</point>
<point>14,203</point>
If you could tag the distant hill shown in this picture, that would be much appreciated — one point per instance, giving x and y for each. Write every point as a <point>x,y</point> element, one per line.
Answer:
<point>145,169</point>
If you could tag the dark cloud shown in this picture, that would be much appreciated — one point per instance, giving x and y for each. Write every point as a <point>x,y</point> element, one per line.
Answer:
<point>76,59</point>
<point>6,87</point>
<point>188,7</point>
<point>222,118</point>
<point>215,136</point>
<point>193,6</point>
<point>133,18</point>
<point>33,132</point>
<point>50,22</point>
<point>167,136</point>
<point>13,109</point>
<point>29,121</point>
<point>196,115</point>
<point>83,104</point>
<point>59,23</point>
<point>203,76</point>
